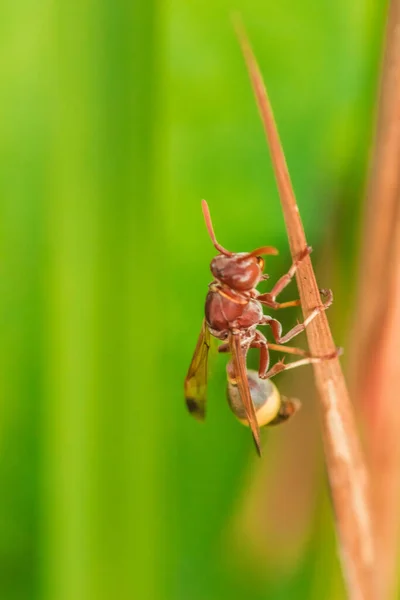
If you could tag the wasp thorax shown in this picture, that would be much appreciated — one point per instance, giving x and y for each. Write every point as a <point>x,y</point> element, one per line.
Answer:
<point>264,394</point>
<point>240,271</point>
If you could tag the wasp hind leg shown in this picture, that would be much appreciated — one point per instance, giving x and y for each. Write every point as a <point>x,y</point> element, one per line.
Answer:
<point>308,360</point>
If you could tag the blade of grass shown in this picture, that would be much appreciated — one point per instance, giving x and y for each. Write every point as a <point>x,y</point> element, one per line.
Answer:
<point>345,464</point>
<point>104,430</point>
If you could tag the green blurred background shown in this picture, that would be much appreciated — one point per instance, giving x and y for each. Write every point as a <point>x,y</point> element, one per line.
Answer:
<point>117,117</point>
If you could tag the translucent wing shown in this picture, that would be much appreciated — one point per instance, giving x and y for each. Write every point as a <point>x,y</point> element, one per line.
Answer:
<point>242,383</point>
<point>196,378</point>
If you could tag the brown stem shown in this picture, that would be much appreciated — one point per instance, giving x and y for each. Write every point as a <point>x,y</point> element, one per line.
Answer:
<point>383,427</point>
<point>382,198</point>
<point>375,353</point>
<point>344,460</point>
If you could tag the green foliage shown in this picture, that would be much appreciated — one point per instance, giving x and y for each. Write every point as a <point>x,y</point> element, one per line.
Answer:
<point>117,118</point>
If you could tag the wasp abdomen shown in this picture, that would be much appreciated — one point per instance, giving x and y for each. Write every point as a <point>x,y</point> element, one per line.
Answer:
<point>264,394</point>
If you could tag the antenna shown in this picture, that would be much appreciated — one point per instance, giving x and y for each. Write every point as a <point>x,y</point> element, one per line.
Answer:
<point>263,251</point>
<point>207,218</point>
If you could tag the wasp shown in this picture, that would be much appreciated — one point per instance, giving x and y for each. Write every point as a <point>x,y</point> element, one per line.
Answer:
<point>233,313</point>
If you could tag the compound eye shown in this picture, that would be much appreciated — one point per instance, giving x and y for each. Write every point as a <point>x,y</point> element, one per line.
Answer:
<point>261,262</point>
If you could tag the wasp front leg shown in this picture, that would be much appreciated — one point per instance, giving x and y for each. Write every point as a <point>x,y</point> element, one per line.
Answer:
<point>268,299</point>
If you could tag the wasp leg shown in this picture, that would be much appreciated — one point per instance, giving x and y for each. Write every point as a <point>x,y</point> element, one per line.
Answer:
<point>310,360</point>
<point>289,350</point>
<point>258,342</point>
<point>224,347</point>
<point>280,305</point>
<point>277,327</point>
<point>261,343</point>
<point>304,353</point>
<point>269,298</point>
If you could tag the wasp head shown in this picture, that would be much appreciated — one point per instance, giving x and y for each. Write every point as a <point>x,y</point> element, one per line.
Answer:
<point>240,271</point>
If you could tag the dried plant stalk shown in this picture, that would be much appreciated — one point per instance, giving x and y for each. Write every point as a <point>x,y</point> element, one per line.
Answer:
<point>382,199</point>
<point>344,460</point>
<point>375,352</point>
<point>383,437</point>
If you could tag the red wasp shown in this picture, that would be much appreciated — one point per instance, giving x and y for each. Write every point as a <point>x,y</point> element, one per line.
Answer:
<point>233,311</point>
